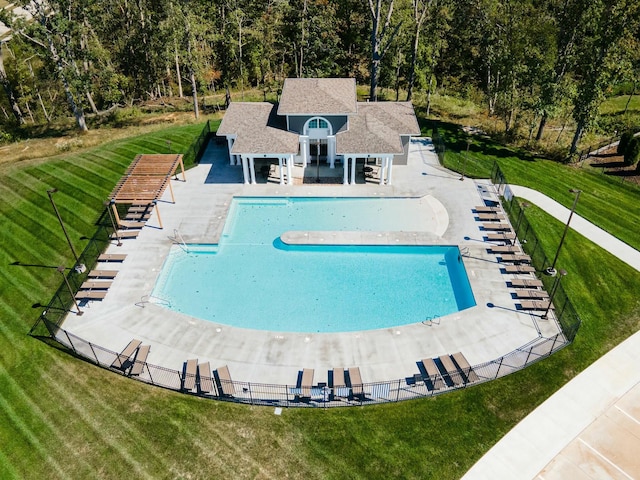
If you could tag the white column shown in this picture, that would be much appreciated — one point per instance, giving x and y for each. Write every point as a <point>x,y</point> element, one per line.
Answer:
<point>389,169</point>
<point>232,159</point>
<point>345,165</point>
<point>331,150</point>
<point>383,168</point>
<point>245,168</point>
<point>252,169</point>
<point>354,160</point>
<point>304,150</point>
<point>289,167</point>
<point>281,171</point>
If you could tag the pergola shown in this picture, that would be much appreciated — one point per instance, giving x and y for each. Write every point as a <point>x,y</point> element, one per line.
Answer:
<point>145,181</point>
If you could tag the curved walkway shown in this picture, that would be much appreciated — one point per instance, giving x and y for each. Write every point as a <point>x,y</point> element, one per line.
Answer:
<point>590,428</point>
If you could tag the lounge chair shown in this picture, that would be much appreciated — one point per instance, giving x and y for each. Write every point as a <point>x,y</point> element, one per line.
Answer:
<point>485,209</point>
<point>306,382</point>
<point>504,249</point>
<point>433,374</point>
<point>340,388</point>
<point>489,217</point>
<point>141,359</point>
<point>526,283</point>
<point>91,295</point>
<point>226,384</point>
<point>95,285</point>
<point>496,226</point>
<point>508,257</point>
<point>102,274</point>
<point>534,304</point>
<point>508,237</point>
<point>205,381</point>
<point>518,269</point>
<point>533,294</point>
<point>137,217</point>
<point>189,382</point>
<point>356,381</point>
<point>124,234</point>
<point>464,366</point>
<point>112,257</point>
<point>452,370</point>
<point>123,356</point>
<point>130,224</point>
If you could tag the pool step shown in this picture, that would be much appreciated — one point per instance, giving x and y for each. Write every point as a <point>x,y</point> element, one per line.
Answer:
<point>301,237</point>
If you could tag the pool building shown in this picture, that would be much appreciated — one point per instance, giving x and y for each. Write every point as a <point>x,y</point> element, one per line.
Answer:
<point>319,119</point>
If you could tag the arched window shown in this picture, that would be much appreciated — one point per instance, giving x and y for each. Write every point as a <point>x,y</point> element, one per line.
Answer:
<point>318,123</point>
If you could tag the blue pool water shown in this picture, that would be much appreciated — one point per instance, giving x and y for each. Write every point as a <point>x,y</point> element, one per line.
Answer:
<point>252,280</point>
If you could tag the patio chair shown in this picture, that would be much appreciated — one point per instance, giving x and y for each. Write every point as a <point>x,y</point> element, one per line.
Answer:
<point>306,382</point>
<point>534,304</point>
<point>526,283</point>
<point>518,269</point>
<point>490,217</point>
<point>464,366</point>
<point>225,383</point>
<point>508,257</point>
<point>340,388</point>
<point>504,249</point>
<point>112,257</point>
<point>496,226</point>
<point>433,378</point>
<point>102,274</point>
<point>141,359</point>
<point>486,209</point>
<point>533,294</point>
<point>189,378</point>
<point>508,237</point>
<point>123,356</point>
<point>205,382</point>
<point>95,285</point>
<point>451,369</point>
<point>356,382</point>
<point>91,295</point>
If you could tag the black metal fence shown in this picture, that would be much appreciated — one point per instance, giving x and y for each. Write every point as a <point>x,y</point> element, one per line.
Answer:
<point>321,395</point>
<point>196,149</point>
<point>565,312</point>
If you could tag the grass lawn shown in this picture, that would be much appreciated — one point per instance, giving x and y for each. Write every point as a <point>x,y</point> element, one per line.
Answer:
<point>64,418</point>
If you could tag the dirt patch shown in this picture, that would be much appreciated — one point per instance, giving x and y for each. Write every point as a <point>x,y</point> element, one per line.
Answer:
<point>610,163</point>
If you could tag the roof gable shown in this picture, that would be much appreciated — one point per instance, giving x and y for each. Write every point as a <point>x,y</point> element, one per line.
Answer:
<point>318,96</point>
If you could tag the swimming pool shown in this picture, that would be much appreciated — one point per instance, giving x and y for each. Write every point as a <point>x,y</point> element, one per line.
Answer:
<point>252,280</point>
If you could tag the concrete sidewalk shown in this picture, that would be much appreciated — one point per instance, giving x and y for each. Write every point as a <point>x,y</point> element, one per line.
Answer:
<point>590,428</point>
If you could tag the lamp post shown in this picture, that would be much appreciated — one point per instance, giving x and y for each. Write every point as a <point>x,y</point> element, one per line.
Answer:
<point>553,292</point>
<point>552,269</point>
<point>522,207</point>
<point>113,223</point>
<point>79,267</point>
<point>466,156</point>
<point>61,270</point>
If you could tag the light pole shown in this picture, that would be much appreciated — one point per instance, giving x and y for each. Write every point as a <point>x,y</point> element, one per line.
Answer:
<point>61,270</point>
<point>466,156</point>
<point>113,223</point>
<point>553,292</point>
<point>552,269</point>
<point>522,207</point>
<point>79,267</point>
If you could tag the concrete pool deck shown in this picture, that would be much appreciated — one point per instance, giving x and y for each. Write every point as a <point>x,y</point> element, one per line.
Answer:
<point>494,327</point>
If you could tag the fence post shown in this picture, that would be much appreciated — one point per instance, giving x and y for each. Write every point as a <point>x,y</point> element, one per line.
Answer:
<point>499,365</point>
<point>70,342</point>
<point>398,391</point>
<point>94,353</point>
<point>528,355</point>
<point>250,394</point>
<point>149,371</point>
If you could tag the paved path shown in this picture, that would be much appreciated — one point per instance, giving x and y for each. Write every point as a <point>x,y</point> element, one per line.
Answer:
<point>590,428</point>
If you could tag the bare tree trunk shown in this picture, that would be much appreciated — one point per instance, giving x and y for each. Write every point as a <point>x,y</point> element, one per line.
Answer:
<point>44,110</point>
<point>378,33</point>
<point>576,137</point>
<point>626,107</point>
<point>303,31</point>
<point>543,122</point>
<point>429,94</point>
<point>180,94</point>
<point>418,17</point>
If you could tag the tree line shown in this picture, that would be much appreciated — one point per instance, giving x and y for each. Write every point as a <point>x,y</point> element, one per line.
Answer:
<point>528,61</point>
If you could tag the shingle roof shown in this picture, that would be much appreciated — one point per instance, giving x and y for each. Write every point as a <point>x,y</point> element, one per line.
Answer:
<point>377,128</point>
<point>318,96</point>
<point>258,129</point>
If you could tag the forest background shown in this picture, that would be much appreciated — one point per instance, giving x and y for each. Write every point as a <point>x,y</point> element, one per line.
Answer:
<point>535,68</point>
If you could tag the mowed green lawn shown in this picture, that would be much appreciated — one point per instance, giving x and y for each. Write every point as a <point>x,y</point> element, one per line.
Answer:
<point>61,417</point>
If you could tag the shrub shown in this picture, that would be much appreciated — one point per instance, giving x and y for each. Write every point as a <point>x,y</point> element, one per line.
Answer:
<point>632,152</point>
<point>624,142</point>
